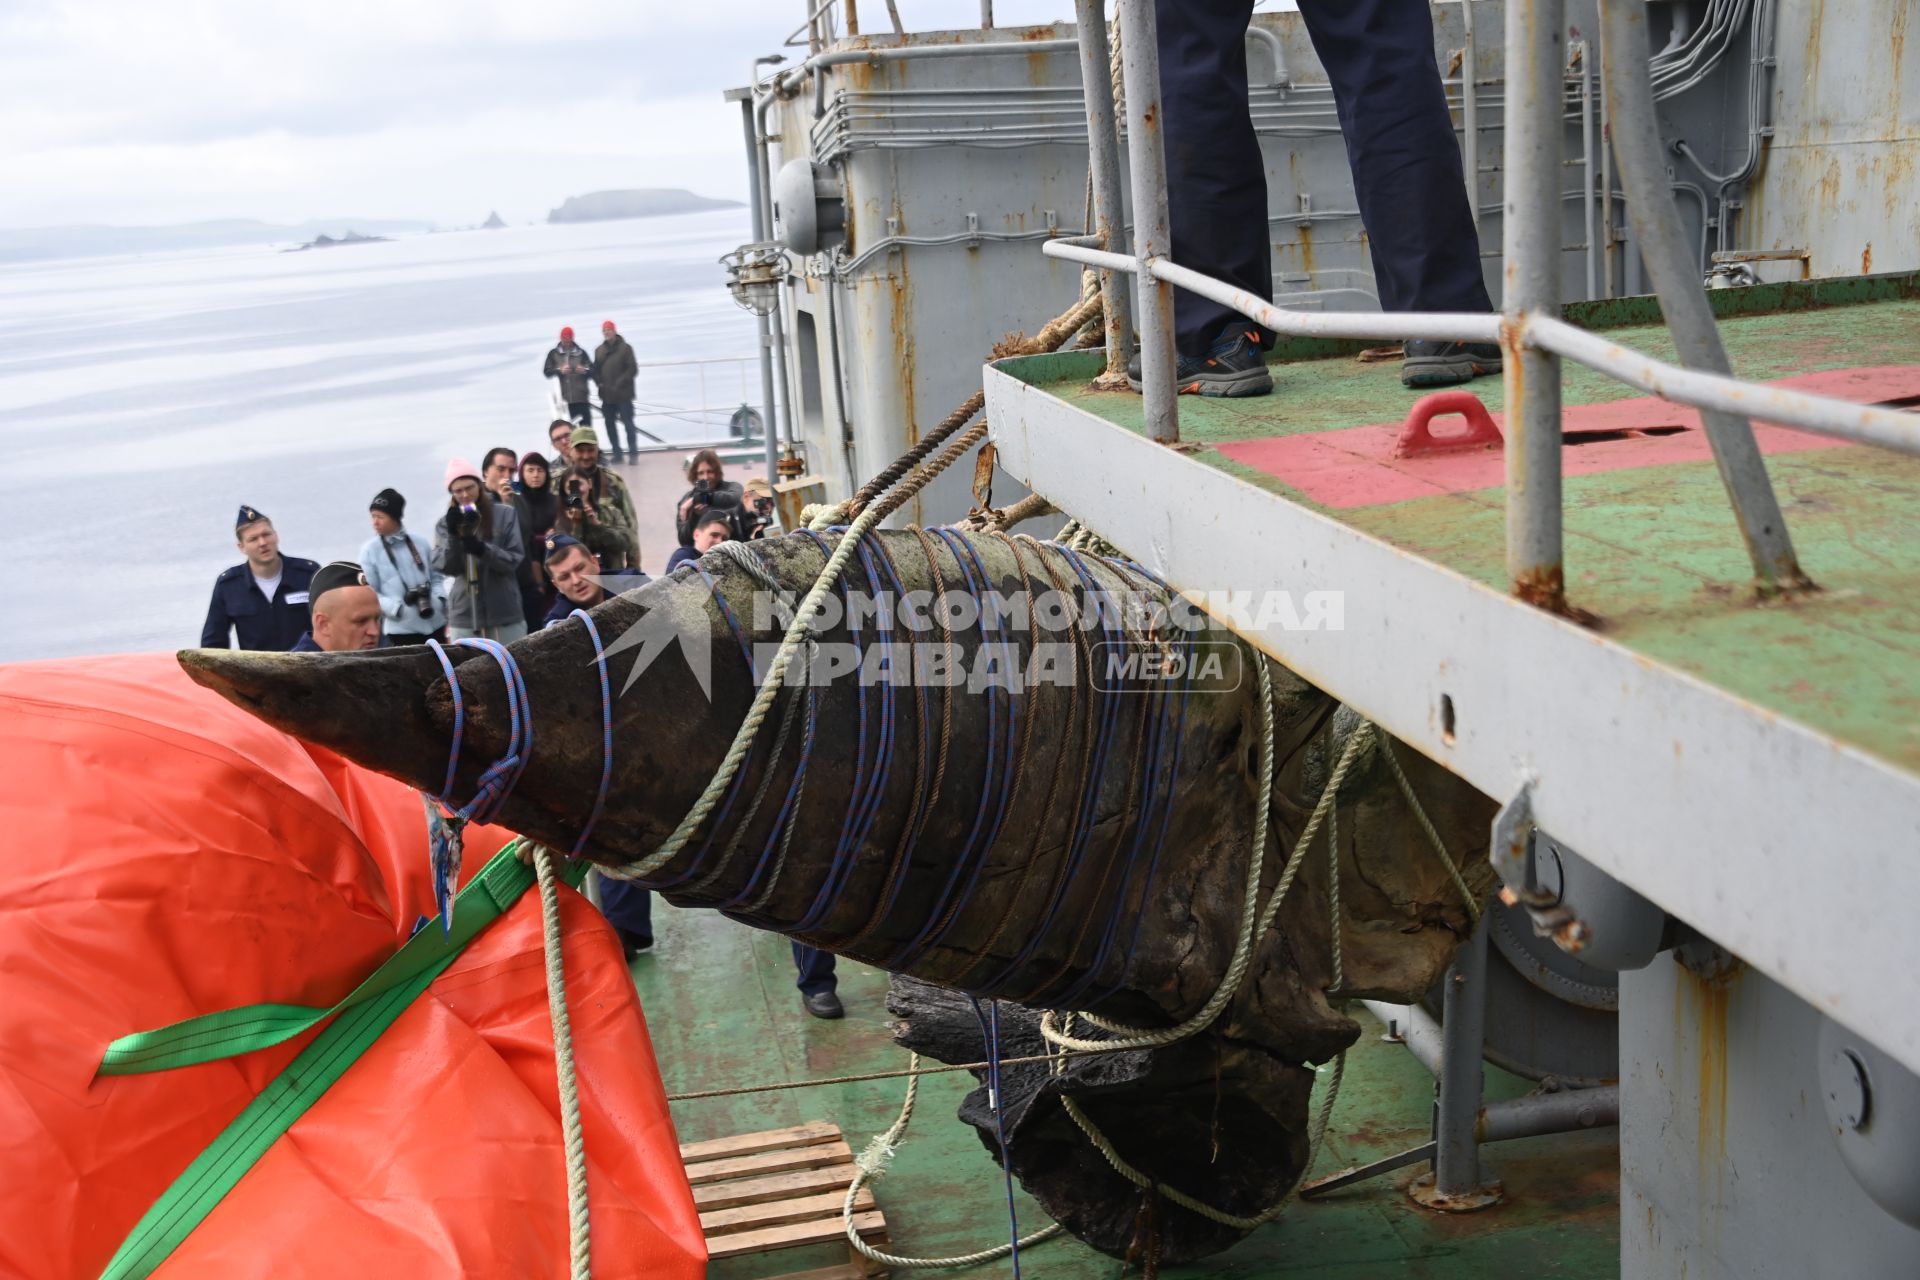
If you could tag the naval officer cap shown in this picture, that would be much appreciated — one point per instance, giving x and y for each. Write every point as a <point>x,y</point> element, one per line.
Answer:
<point>559,544</point>
<point>248,515</point>
<point>339,573</point>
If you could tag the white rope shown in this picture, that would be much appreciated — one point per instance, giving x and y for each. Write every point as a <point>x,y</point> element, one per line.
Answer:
<point>563,1066</point>
<point>872,1163</point>
<point>1433,836</point>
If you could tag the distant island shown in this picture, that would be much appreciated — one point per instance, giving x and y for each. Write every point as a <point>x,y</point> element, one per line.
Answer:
<point>643,202</point>
<point>28,244</point>
<point>494,222</point>
<point>325,241</point>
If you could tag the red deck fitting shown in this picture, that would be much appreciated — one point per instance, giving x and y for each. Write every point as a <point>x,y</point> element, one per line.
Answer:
<point>1398,461</point>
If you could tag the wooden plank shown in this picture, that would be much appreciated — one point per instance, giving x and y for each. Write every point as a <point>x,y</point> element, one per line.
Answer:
<point>769,1162</point>
<point>746,1144</point>
<point>845,1271</point>
<point>792,1236</point>
<point>773,1186</point>
<point>774,1213</point>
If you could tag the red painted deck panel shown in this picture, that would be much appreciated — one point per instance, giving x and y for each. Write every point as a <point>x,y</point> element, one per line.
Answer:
<point>1359,466</point>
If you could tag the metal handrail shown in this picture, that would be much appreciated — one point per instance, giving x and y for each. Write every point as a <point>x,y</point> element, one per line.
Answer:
<point>1542,332</point>
<point>1824,415</point>
<point>1529,325</point>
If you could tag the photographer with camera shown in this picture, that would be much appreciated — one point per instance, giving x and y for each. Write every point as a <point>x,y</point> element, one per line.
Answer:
<point>479,545</point>
<point>711,488</point>
<point>758,516</point>
<point>398,568</point>
<point>596,507</point>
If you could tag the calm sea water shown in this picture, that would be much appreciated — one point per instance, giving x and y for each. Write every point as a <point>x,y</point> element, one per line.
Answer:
<point>143,399</point>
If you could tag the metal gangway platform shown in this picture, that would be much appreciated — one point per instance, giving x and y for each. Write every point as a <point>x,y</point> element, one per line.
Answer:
<point>1667,615</point>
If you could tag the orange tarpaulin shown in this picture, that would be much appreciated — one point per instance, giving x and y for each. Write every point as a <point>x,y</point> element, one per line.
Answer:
<point>166,855</point>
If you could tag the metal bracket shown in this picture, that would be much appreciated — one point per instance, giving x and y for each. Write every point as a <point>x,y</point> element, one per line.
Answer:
<point>973,231</point>
<point>1511,852</point>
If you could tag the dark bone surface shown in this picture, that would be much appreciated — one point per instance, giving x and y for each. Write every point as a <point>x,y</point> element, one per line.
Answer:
<point>393,710</point>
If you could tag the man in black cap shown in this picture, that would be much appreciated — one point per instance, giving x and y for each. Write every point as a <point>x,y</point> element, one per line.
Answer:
<point>346,611</point>
<point>263,599</point>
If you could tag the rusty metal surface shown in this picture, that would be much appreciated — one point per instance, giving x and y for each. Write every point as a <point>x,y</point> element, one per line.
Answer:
<point>1724,1125</point>
<point>1841,177</point>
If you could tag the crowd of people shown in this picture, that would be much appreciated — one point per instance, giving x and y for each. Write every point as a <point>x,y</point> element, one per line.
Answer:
<point>524,541</point>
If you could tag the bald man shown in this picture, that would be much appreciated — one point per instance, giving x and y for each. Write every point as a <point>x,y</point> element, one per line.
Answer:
<point>346,611</point>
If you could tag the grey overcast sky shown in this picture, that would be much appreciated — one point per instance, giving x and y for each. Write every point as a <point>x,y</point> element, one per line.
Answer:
<point>159,111</point>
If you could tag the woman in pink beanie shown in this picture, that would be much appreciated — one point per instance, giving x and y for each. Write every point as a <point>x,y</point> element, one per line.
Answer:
<point>479,544</point>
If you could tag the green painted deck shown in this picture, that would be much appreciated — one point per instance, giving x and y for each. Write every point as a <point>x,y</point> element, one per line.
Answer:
<point>723,1012</point>
<point>1654,551</point>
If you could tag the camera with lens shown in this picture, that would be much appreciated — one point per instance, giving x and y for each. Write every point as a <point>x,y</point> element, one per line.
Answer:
<point>419,599</point>
<point>464,521</point>
<point>576,495</point>
<point>756,522</point>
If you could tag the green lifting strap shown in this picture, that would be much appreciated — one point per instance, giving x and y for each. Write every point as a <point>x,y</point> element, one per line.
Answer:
<point>231,1032</point>
<point>369,1010</point>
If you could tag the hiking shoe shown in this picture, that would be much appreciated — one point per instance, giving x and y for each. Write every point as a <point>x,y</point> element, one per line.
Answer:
<point>824,1004</point>
<point>1442,364</point>
<point>1233,366</point>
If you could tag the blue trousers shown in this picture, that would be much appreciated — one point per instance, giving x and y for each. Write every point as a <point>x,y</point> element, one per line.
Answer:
<point>816,970</point>
<point>629,909</point>
<point>613,413</point>
<point>1407,176</point>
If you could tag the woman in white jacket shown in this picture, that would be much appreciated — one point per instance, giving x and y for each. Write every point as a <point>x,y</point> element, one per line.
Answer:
<point>399,568</point>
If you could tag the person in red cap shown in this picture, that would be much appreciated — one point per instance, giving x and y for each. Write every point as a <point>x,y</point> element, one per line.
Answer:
<point>569,362</point>
<point>614,369</point>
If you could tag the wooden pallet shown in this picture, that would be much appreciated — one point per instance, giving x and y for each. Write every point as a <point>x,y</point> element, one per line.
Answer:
<point>781,1189</point>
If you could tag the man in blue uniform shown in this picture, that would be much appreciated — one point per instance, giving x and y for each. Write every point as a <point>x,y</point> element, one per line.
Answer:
<point>1407,181</point>
<point>263,599</point>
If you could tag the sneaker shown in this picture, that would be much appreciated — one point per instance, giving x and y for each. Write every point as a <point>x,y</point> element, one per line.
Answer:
<point>1442,364</point>
<point>1233,366</point>
<point>824,1004</point>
